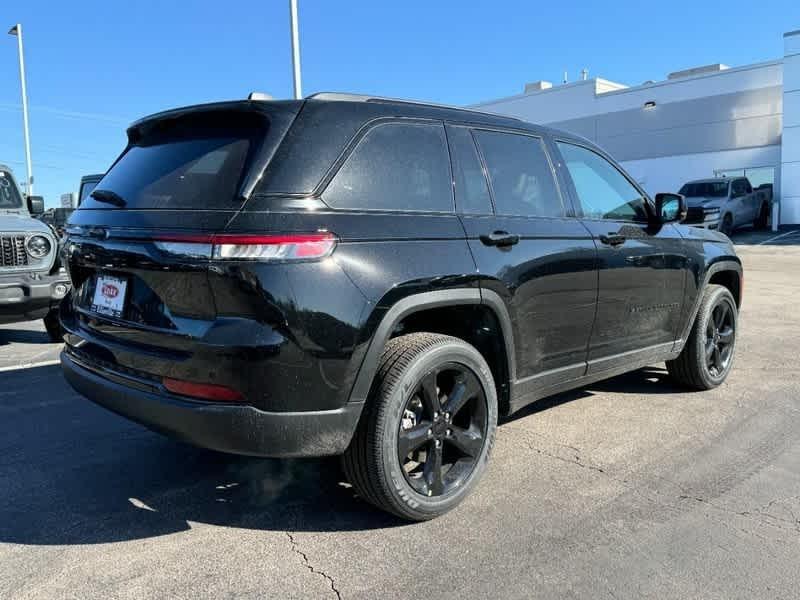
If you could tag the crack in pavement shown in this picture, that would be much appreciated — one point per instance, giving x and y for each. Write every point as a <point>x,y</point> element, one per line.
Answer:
<point>758,515</point>
<point>307,564</point>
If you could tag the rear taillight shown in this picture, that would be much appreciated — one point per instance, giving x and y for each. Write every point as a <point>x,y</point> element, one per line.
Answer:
<point>202,391</point>
<point>234,246</point>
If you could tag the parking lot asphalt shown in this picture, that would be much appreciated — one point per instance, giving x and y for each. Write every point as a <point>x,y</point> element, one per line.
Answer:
<point>628,488</point>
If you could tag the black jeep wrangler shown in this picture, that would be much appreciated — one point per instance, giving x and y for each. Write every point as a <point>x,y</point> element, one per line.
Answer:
<point>379,279</point>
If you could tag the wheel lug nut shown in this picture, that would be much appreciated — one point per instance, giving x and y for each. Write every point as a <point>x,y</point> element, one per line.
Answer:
<point>435,414</point>
<point>437,443</point>
<point>449,432</point>
<point>430,432</point>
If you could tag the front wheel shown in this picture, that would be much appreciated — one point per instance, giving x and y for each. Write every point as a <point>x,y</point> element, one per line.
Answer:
<point>707,357</point>
<point>425,435</point>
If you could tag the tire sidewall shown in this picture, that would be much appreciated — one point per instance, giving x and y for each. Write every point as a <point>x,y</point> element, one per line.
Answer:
<point>414,503</point>
<point>718,295</point>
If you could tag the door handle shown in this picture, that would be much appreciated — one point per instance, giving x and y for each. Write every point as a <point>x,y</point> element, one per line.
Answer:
<point>613,239</point>
<point>499,238</point>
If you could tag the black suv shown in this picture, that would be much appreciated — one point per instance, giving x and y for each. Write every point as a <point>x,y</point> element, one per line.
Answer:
<point>380,279</point>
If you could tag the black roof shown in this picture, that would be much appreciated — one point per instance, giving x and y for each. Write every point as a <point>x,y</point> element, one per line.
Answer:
<point>315,131</point>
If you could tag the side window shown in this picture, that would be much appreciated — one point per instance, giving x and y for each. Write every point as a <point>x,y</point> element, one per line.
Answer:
<point>740,187</point>
<point>472,191</point>
<point>520,173</point>
<point>395,166</point>
<point>604,192</point>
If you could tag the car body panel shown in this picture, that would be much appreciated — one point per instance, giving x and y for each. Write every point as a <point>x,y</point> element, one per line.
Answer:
<point>300,338</point>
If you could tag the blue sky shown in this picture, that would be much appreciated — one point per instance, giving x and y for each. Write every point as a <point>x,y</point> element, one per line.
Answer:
<point>93,66</point>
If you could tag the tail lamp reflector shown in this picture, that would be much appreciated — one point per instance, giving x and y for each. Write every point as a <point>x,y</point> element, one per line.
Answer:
<point>232,246</point>
<point>202,391</point>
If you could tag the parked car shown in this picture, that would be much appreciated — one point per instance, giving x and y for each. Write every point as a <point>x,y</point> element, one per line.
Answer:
<point>56,218</point>
<point>31,282</point>
<point>379,279</point>
<point>726,203</point>
<point>88,183</point>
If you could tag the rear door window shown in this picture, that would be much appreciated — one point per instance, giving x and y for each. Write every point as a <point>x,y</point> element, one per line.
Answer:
<point>395,166</point>
<point>472,190</point>
<point>520,174</point>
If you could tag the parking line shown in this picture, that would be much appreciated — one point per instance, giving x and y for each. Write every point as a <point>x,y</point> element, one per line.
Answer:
<point>44,363</point>
<point>777,237</point>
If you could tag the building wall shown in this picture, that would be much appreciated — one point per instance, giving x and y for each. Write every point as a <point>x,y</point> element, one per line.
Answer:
<point>790,151</point>
<point>731,119</point>
<point>667,174</point>
<point>746,119</point>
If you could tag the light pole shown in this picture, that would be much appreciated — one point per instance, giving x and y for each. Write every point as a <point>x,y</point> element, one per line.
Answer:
<point>17,31</point>
<point>298,88</point>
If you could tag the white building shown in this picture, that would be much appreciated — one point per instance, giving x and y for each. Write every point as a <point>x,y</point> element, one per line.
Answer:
<point>701,122</point>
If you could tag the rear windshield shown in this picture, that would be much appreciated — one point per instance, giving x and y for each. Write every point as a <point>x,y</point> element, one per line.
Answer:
<point>178,168</point>
<point>709,189</point>
<point>9,195</point>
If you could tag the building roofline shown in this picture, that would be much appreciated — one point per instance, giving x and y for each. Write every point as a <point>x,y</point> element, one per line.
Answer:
<point>655,84</point>
<point>623,89</point>
<point>593,81</point>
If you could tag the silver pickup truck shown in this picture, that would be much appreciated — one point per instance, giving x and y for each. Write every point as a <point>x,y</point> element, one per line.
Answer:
<point>724,204</point>
<point>31,282</point>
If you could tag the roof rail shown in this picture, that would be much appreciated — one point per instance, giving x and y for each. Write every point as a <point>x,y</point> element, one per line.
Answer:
<point>346,97</point>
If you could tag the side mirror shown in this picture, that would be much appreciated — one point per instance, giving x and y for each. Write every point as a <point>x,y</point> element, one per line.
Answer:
<point>670,208</point>
<point>35,205</point>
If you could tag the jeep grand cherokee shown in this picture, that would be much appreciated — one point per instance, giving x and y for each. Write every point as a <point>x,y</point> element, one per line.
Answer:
<point>379,279</point>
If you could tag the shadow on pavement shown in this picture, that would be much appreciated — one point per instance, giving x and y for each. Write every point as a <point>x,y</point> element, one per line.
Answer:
<point>23,336</point>
<point>650,380</point>
<point>73,473</point>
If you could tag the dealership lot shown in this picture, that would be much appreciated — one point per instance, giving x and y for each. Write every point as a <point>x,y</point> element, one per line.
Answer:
<point>628,488</point>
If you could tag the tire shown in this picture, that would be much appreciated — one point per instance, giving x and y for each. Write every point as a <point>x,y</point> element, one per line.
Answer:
<point>707,358</point>
<point>416,373</point>
<point>53,326</point>
<point>762,218</point>
<point>727,225</point>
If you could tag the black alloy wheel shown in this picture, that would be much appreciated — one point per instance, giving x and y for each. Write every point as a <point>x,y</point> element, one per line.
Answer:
<point>707,355</point>
<point>425,435</point>
<point>720,335</point>
<point>443,429</point>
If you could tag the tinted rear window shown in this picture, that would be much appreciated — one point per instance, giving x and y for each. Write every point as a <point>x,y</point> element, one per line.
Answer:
<point>184,166</point>
<point>395,166</point>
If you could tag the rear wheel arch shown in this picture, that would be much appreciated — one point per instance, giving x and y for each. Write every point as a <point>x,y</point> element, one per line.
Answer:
<point>475,316</point>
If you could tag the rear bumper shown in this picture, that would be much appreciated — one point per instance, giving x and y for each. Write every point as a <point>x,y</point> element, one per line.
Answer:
<point>238,429</point>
